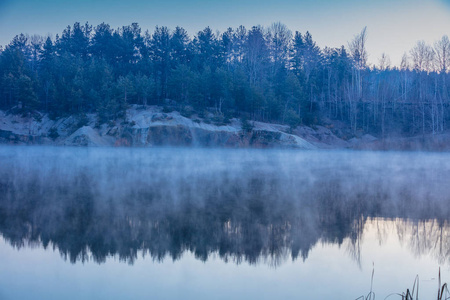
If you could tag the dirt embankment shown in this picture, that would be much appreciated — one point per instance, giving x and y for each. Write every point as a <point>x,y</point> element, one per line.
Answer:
<point>150,126</point>
<point>143,128</point>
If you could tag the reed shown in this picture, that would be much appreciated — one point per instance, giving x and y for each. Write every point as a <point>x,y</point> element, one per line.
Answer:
<point>442,289</point>
<point>411,294</point>
<point>371,294</point>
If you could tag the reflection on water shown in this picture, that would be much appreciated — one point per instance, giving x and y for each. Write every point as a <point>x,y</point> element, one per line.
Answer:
<point>241,205</point>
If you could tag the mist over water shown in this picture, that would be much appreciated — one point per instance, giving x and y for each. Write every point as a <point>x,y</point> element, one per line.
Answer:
<point>251,207</point>
<point>246,205</point>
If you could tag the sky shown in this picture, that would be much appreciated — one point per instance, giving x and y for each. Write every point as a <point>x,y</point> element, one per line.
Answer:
<point>393,26</point>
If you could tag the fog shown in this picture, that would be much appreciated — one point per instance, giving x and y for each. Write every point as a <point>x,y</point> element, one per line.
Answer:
<point>252,206</point>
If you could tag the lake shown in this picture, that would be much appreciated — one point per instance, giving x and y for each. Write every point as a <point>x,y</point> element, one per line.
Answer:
<point>176,223</point>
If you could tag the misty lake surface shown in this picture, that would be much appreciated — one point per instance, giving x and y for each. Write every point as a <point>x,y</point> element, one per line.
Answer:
<point>162,223</point>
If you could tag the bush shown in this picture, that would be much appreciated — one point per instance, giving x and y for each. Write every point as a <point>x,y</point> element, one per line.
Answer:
<point>82,120</point>
<point>246,125</point>
<point>53,133</point>
<point>292,119</point>
<point>167,109</point>
<point>187,111</point>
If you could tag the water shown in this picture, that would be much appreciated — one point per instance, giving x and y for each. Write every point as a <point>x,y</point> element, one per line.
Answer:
<point>106,223</point>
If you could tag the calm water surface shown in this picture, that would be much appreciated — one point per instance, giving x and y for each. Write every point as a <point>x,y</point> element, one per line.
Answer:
<point>221,224</point>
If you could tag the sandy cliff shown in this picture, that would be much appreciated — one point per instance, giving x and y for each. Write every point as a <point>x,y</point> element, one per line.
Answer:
<point>144,128</point>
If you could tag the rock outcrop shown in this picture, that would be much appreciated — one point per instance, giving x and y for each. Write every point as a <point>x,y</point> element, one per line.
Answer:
<point>145,128</point>
<point>87,136</point>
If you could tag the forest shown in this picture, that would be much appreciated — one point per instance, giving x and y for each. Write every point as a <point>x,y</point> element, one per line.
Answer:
<point>269,74</point>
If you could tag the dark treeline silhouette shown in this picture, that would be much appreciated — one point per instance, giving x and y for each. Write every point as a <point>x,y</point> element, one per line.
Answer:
<point>267,74</point>
<point>86,205</point>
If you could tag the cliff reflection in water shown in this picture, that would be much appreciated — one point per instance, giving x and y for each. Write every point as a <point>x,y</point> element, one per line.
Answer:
<point>252,206</point>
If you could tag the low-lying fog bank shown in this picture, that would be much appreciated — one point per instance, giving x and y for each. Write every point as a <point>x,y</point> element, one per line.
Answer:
<point>249,205</point>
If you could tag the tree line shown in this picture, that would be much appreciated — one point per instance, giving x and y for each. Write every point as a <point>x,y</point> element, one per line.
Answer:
<point>267,74</point>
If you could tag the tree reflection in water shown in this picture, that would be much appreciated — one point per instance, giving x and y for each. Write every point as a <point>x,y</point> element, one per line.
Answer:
<point>254,210</point>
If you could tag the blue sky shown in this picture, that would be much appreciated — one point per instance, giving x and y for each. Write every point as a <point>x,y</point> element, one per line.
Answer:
<point>393,26</point>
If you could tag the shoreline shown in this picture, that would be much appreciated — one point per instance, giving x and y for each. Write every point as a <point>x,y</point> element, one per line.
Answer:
<point>151,127</point>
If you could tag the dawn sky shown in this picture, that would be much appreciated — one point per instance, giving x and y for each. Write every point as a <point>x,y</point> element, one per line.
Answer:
<point>393,26</point>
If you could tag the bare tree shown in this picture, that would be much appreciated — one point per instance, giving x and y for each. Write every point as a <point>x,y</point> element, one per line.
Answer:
<point>442,61</point>
<point>359,54</point>
<point>256,54</point>
<point>384,62</point>
<point>404,67</point>
<point>279,37</point>
<point>358,49</point>
<point>442,57</point>
<point>423,61</point>
<point>423,57</point>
